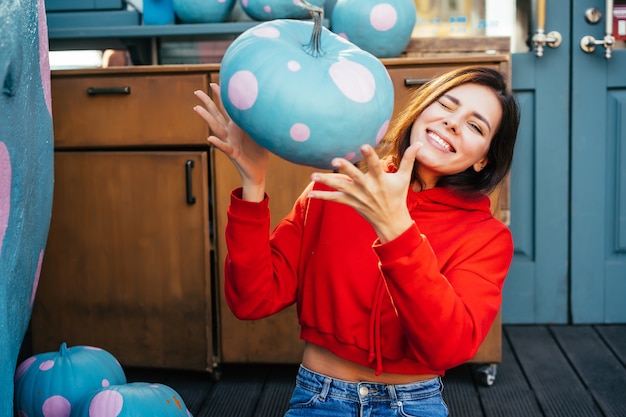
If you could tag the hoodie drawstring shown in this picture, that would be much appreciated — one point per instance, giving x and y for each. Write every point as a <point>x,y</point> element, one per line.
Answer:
<point>375,352</point>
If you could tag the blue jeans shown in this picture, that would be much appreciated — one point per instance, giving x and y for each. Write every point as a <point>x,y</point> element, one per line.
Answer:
<point>319,395</point>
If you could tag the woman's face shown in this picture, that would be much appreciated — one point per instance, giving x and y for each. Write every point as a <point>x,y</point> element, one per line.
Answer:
<point>456,131</point>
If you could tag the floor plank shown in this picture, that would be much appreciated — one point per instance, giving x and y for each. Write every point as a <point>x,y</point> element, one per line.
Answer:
<point>556,385</point>
<point>615,337</point>
<point>601,372</point>
<point>460,393</point>
<point>277,391</point>
<point>511,394</point>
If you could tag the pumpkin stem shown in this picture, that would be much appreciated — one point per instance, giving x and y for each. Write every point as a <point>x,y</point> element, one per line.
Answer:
<point>314,48</point>
<point>63,349</point>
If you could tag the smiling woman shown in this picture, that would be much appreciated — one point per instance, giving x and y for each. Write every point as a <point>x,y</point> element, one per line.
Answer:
<point>397,269</point>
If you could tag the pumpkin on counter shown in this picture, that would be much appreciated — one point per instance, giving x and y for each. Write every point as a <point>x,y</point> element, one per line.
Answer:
<point>305,93</point>
<point>203,11</point>
<point>50,384</point>
<point>381,27</point>
<point>277,9</point>
<point>137,399</point>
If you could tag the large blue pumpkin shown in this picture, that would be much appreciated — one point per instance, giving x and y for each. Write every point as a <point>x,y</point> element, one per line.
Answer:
<point>203,11</point>
<point>277,9</point>
<point>381,27</point>
<point>137,399</point>
<point>305,101</point>
<point>50,384</point>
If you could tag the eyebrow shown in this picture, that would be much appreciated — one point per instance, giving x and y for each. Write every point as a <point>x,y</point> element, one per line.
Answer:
<point>476,114</point>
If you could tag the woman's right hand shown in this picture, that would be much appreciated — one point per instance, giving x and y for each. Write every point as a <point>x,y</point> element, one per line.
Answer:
<point>250,159</point>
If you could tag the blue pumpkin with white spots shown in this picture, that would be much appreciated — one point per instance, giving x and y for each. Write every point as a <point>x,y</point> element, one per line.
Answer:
<point>51,384</point>
<point>381,27</point>
<point>304,93</point>
<point>136,399</point>
<point>203,11</point>
<point>277,9</point>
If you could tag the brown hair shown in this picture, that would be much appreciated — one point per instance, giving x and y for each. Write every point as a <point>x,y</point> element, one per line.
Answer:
<point>500,152</point>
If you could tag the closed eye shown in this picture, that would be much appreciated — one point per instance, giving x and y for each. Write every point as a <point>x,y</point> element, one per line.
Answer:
<point>444,105</point>
<point>476,127</point>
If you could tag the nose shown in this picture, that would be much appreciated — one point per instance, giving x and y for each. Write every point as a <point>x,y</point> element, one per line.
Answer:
<point>451,124</point>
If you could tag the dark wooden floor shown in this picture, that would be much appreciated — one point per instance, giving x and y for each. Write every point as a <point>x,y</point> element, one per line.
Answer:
<point>551,371</point>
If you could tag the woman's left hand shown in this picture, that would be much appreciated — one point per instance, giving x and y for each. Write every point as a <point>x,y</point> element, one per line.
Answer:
<point>379,196</point>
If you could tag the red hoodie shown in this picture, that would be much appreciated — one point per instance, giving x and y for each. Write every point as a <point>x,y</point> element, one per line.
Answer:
<point>420,304</point>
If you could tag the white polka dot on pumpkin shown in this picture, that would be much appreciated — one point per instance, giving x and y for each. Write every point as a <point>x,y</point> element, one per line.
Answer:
<point>243,89</point>
<point>300,132</point>
<point>354,80</point>
<point>107,403</point>
<point>383,17</point>
<point>244,3</point>
<point>221,1</point>
<point>293,66</point>
<point>382,131</point>
<point>24,367</point>
<point>105,383</point>
<point>46,365</point>
<point>266,32</point>
<point>56,406</point>
<point>5,190</point>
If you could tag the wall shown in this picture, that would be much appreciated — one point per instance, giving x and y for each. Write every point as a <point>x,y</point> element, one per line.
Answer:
<point>26,174</point>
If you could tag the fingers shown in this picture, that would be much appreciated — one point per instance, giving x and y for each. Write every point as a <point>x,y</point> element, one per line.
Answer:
<point>372,160</point>
<point>210,105</point>
<point>408,159</point>
<point>217,98</point>
<point>211,114</point>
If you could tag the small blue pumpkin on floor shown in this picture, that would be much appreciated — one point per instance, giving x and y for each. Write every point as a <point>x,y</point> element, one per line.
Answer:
<point>50,384</point>
<point>136,399</point>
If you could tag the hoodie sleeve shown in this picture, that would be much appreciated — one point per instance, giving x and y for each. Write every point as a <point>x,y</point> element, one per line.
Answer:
<point>260,273</point>
<point>446,315</point>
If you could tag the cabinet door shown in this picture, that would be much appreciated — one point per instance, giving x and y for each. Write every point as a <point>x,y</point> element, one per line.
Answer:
<point>127,266</point>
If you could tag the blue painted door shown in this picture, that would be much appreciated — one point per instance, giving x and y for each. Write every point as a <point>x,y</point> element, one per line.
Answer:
<point>598,180</point>
<point>568,182</point>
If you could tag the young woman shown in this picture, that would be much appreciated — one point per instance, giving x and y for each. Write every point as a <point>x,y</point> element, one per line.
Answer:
<point>397,269</point>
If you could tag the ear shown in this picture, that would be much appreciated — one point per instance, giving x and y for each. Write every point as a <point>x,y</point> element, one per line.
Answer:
<point>478,166</point>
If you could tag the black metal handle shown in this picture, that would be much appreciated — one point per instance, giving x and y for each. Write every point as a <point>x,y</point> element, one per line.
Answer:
<point>191,199</point>
<point>92,91</point>
<point>410,82</point>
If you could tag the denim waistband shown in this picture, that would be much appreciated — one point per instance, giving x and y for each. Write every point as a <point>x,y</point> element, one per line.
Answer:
<point>362,392</point>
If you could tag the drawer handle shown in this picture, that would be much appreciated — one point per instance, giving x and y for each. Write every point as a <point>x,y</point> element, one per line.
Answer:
<point>191,199</point>
<point>93,91</point>
<point>410,82</point>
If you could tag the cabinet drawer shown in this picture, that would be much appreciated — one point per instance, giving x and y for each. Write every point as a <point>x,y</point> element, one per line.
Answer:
<point>127,110</point>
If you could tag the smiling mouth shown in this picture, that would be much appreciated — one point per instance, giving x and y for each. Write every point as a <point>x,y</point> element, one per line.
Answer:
<point>440,141</point>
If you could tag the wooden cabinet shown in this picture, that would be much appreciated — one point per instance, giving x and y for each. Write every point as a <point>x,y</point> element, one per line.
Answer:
<point>134,261</point>
<point>129,261</point>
